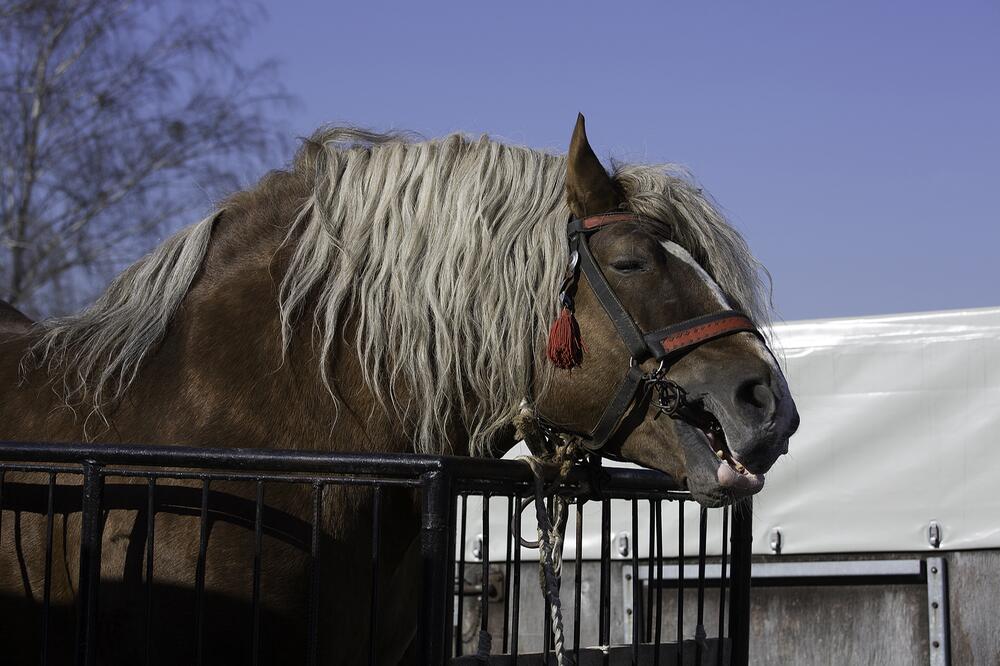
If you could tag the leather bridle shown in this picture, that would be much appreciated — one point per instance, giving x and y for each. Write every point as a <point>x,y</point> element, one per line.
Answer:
<point>665,345</point>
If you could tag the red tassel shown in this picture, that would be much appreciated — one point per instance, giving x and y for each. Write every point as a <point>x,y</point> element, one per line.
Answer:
<point>565,348</point>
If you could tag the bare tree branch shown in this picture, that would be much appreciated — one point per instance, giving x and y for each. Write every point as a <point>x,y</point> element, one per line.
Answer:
<point>113,109</point>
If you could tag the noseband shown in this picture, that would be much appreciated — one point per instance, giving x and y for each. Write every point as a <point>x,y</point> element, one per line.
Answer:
<point>665,345</point>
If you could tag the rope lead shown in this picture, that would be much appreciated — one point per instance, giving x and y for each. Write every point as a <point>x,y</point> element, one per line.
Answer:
<point>551,526</point>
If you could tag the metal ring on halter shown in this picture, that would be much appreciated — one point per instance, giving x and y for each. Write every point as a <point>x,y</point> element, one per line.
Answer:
<point>574,259</point>
<point>671,397</point>
<point>657,374</point>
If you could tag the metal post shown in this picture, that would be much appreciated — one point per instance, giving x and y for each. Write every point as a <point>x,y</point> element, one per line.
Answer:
<point>722,586</point>
<point>506,577</point>
<point>680,584</point>
<point>699,629</point>
<point>433,623</point>
<point>604,619</point>
<point>937,611</point>
<point>376,554</point>
<point>636,587</point>
<point>484,587</point>
<point>461,578</point>
<point>739,604</point>
<point>47,581</point>
<point>314,599</point>
<point>90,564</point>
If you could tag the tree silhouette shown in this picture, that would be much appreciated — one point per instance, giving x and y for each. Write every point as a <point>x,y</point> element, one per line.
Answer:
<point>109,111</point>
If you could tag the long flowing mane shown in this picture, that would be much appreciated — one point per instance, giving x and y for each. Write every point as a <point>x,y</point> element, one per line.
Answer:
<point>446,254</point>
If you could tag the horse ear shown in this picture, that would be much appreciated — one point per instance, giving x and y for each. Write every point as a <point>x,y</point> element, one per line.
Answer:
<point>589,188</point>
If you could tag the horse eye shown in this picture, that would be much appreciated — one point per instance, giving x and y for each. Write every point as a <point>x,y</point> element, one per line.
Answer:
<point>628,265</point>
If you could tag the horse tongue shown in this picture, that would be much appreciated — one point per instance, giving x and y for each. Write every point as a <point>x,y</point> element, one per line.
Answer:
<point>730,478</point>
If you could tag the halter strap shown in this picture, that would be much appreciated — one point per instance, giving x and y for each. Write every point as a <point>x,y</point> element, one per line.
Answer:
<point>627,329</point>
<point>697,331</point>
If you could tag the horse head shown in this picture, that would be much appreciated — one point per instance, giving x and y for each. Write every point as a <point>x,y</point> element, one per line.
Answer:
<point>641,289</point>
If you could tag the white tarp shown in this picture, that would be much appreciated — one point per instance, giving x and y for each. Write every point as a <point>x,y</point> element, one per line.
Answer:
<point>900,427</point>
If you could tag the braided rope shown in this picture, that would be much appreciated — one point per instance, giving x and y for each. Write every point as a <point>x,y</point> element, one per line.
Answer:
<point>551,527</point>
<point>550,554</point>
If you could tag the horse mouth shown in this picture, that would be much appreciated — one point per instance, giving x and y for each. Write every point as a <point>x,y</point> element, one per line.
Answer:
<point>732,476</point>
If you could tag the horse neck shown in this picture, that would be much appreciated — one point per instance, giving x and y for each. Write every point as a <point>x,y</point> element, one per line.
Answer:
<point>221,363</point>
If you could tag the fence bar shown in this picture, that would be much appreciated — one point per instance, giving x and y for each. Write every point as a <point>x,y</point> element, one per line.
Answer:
<point>506,573</point>
<point>258,537</point>
<point>647,609</point>
<point>659,582</point>
<point>90,564</point>
<point>433,622</point>
<point>636,589</point>
<point>605,597</point>
<point>315,591</point>
<point>722,584</point>
<point>739,605</point>
<point>3,475</point>
<point>449,591</point>
<point>47,583</point>
<point>680,583</point>
<point>150,534</point>
<point>699,631</point>
<point>515,619</point>
<point>484,593</point>
<point>461,580</point>
<point>199,575</point>
<point>376,548</point>
<point>578,579</point>
<point>472,472</point>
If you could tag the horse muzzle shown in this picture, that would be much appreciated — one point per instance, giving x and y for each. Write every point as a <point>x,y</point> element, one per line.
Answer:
<point>731,444</point>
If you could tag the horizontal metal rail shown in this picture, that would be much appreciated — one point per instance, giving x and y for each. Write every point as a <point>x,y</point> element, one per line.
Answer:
<point>471,474</point>
<point>810,573</point>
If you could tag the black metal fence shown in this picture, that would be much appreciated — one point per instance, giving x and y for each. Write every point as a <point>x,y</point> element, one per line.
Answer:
<point>55,481</point>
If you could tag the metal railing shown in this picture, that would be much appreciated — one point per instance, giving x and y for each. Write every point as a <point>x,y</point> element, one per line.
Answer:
<point>631,624</point>
<point>50,480</point>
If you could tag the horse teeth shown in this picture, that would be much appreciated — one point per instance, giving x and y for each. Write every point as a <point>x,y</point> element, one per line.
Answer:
<point>720,455</point>
<point>740,468</point>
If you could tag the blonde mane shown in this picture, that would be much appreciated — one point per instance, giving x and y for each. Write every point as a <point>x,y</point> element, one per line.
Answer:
<point>446,253</point>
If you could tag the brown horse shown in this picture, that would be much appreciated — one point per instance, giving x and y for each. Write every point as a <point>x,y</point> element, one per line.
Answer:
<point>381,295</point>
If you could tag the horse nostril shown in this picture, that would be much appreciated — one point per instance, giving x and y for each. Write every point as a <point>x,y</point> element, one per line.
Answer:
<point>757,394</point>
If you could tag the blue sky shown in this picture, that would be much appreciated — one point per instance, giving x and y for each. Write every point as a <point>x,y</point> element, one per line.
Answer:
<point>856,145</point>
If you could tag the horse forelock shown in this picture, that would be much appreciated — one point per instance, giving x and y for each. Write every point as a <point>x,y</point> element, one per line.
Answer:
<point>446,253</point>
<point>667,192</point>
